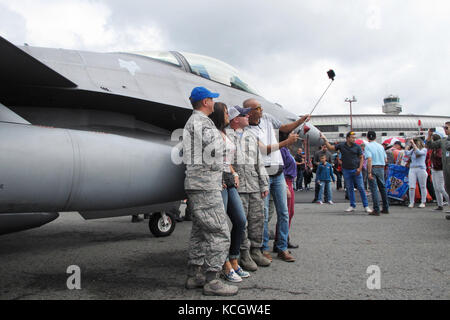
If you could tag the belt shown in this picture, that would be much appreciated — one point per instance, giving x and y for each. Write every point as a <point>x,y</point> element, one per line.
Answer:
<point>279,169</point>
<point>378,166</point>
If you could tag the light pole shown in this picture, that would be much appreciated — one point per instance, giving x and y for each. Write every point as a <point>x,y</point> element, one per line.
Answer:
<point>350,101</point>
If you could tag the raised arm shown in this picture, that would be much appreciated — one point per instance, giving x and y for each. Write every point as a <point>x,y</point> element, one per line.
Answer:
<point>329,146</point>
<point>286,128</point>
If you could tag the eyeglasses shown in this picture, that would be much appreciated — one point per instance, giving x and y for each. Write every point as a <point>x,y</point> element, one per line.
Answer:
<point>242,115</point>
<point>446,127</point>
<point>258,107</point>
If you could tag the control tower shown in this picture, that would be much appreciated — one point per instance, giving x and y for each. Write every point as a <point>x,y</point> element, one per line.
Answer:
<point>392,105</point>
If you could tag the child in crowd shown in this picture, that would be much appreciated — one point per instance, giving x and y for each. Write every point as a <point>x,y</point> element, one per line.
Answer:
<point>324,175</point>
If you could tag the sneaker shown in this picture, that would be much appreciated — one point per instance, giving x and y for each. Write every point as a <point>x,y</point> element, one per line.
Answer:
<point>385,211</point>
<point>350,209</point>
<point>241,273</point>
<point>231,276</point>
<point>319,202</point>
<point>411,205</point>
<point>422,205</point>
<point>330,202</point>
<point>368,210</point>
<point>438,208</point>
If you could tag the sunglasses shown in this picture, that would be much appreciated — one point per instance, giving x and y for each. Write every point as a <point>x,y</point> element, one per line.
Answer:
<point>446,127</point>
<point>242,115</point>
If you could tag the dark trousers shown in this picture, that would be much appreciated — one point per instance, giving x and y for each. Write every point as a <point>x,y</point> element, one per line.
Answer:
<point>299,181</point>
<point>338,180</point>
<point>378,184</point>
<point>430,187</point>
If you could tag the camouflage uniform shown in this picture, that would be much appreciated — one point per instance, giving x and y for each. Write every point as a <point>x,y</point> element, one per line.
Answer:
<point>253,180</point>
<point>210,235</point>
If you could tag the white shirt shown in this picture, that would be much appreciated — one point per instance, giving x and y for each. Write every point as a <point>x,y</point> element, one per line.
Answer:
<point>265,132</point>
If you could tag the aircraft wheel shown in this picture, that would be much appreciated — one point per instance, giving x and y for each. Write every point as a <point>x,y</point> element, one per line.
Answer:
<point>161,224</point>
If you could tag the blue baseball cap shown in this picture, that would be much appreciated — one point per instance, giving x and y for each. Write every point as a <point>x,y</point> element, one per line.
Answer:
<point>200,93</point>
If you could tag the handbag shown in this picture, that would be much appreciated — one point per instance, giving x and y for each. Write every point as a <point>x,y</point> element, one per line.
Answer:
<point>228,179</point>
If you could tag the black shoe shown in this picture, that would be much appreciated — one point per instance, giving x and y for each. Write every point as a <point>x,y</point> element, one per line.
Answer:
<point>314,201</point>
<point>385,211</point>
<point>292,246</point>
<point>438,208</point>
<point>447,217</point>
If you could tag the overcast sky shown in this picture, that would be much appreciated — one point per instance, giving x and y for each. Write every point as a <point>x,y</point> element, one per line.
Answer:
<point>284,48</point>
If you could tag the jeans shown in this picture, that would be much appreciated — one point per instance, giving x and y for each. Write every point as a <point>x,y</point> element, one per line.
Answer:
<point>378,184</point>
<point>316,191</point>
<point>277,188</point>
<point>235,210</point>
<point>325,185</point>
<point>352,180</point>
<point>365,175</point>
<point>299,181</point>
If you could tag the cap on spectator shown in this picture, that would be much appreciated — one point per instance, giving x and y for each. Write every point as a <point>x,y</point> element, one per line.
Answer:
<point>200,93</point>
<point>398,142</point>
<point>350,133</point>
<point>235,111</point>
<point>371,135</point>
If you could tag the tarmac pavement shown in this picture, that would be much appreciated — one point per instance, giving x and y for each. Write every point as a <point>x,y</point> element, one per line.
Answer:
<point>122,260</point>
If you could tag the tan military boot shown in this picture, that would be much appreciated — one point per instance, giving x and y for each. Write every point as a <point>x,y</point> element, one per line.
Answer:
<point>258,257</point>
<point>195,278</point>
<point>215,287</point>
<point>247,262</point>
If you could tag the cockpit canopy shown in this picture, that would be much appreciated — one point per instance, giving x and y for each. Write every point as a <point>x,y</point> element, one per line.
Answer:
<point>204,66</point>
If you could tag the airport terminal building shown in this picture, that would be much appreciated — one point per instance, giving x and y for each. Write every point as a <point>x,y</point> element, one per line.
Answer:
<point>389,124</point>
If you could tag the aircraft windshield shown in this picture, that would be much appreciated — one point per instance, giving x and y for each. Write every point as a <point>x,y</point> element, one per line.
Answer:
<point>164,56</point>
<point>216,70</point>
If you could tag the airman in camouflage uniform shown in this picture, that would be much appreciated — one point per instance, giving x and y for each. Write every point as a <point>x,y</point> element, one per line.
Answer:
<point>253,185</point>
<point>210,235</point>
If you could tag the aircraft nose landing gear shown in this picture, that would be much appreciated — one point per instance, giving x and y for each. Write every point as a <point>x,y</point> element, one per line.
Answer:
<point>162,224</point>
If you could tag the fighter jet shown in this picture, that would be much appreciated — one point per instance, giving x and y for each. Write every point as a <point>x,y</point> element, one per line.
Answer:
<point>93,132</point>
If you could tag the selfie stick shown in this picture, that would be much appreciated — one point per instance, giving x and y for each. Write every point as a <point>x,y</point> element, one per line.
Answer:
<point>331,75</point>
